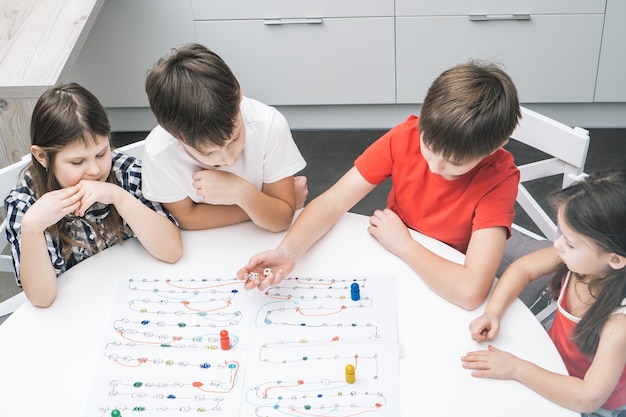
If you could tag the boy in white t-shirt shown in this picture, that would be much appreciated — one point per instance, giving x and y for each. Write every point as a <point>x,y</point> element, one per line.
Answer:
<point>217,158</point>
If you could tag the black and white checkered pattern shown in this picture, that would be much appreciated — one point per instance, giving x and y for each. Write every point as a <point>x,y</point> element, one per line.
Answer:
<point>127,171</point>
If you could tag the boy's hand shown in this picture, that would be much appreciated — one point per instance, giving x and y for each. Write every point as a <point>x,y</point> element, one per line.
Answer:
<point>53,206</point>
<point>279,262</point>
<point>302,191</point>
<point>387,227</point>
<point>491,363</point>
<point>484,328</point>
<point>217,187</point>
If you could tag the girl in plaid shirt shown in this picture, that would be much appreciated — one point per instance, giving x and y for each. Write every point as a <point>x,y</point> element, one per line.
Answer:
<point>78,197</point>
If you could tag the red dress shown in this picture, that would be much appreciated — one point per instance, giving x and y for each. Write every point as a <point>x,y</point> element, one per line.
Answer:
<point>576,362</point>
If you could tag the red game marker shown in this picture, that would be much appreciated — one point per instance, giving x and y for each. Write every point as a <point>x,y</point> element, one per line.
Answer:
<point>224,340</point>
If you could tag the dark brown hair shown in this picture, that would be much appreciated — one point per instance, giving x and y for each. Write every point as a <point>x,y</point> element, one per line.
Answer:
<point>596,208</point>
<point>194,96</point>
<point>470,110</point>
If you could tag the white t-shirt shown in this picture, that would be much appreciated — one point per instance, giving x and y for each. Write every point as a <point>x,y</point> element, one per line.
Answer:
<point>269,155</point>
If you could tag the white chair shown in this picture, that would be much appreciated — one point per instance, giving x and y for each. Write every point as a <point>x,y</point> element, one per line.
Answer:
<point>566,150</point>
<point>8,179</point>
<point>133,149</point>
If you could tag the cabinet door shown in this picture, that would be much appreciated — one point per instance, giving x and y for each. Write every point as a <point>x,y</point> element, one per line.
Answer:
<point>551,58</point>
<point>327,61</point>
<point>126,40</point>
<point>254,9</point>
<point>611,86</point>
<point>496,7</point>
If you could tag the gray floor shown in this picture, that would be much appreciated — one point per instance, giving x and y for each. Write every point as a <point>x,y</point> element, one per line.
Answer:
<point>329,154</point>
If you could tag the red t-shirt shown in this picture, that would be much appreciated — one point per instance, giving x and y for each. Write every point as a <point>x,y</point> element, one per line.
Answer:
<point>448,211</point>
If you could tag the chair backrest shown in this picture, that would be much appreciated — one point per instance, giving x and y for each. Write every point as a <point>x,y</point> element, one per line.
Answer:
<point>566,148</point>
<point>133,149</point>
<point>8,179</point>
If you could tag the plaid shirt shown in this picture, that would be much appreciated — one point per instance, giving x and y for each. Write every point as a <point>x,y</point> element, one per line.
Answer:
<point>127,171</point>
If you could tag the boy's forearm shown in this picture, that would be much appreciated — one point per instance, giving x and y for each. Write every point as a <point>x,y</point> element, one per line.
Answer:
<point>312,223</point>
<point>207,216</point>
<point>448,279</point>
<point>270,212</point>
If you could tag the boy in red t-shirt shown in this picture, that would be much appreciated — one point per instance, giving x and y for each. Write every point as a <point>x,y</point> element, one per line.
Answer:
<point>451,181</point>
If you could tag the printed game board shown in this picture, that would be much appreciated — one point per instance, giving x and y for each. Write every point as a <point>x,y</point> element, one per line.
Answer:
<point>286,351</point>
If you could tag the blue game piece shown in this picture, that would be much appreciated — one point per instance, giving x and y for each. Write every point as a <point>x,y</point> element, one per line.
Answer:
<point>355,293</point>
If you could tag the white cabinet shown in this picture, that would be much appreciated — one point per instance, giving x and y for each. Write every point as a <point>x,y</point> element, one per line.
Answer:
<point>366,63</point>
<point>304,53</point>
<point>337,61</point>
<point>611,85</point>
<point>127,39</point>
<point>255,9</point>
<point>497,7</point>
<point>550,57</point>
<point>550,51</point>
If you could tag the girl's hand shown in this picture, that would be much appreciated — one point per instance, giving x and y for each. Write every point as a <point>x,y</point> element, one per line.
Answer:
<point>277,260</point>
<point>98,191</point>
<point>53,206</point>
<point>491,363</point>
<point>387,227</point>
<point>484,328</point>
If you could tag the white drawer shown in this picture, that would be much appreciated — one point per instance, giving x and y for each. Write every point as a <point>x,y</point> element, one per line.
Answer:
<point>337,61</point>
<point>551,58</point>
<point>496,7</point>
<point>257,9</point>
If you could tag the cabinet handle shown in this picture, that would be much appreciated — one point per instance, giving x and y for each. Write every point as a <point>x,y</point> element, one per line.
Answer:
<point>495,17</point>
<point>308,21</point>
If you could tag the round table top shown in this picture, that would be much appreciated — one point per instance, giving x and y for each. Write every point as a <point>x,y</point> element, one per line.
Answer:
<point>51,356</point>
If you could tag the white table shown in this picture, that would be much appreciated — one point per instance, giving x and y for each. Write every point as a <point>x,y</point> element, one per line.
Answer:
<point>49,356</point>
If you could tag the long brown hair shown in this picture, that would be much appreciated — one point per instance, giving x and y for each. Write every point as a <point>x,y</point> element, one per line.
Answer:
<point>596,208</point>
<point>62,116</point>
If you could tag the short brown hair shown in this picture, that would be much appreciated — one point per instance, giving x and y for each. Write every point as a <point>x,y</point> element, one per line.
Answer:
<point>470,110</point>
<point>194,96</point>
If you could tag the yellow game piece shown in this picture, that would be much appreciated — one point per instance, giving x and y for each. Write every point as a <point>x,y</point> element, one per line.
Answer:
<point>350,376</point>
